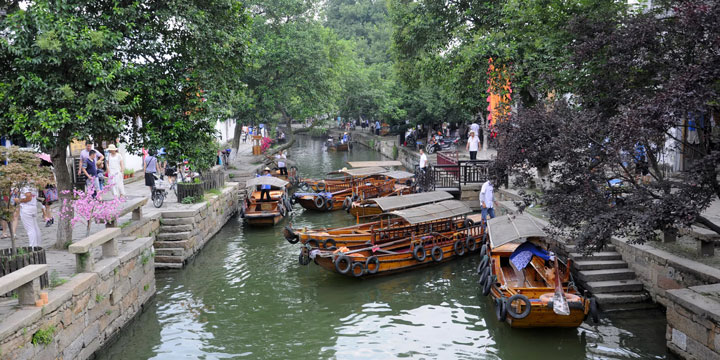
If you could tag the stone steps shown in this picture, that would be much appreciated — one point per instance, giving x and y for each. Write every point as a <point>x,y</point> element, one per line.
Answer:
<point>168,259</point>
<point>168,265</point>
<point>168,251</point>
<point>614,286</point>
<point>604,255</point>
<point>622,298</point>
<point>606,274</point>
<point>185,244</point>
<point>599,264</point>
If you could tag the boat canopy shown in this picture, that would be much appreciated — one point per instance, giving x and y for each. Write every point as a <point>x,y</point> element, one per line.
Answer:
<point>360,172</point>
<point>266,180</point>
<point>362,164</point>
<point>507,228</point>
<point>406,201</point>
<point>398,174</point>
<point>425,213</point>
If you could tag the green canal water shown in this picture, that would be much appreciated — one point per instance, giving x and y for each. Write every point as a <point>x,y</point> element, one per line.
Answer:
<point>246,296</point>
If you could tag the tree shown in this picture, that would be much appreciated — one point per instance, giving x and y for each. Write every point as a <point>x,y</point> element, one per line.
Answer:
<point>88,206</point>
<point>79,70</point>
<point>296,66</point>
<point>634,78</point>
<point>22,169</point>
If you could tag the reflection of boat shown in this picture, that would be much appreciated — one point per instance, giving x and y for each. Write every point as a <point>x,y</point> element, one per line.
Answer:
<point>364,183</point>
<point>400,255</point>
<point>440,218</point>
<point>265,212</point>
<point>381,205</point>
<point>530,288</point>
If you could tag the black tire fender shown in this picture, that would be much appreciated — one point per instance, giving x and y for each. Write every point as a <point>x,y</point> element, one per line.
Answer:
<point>511,309</point>
<point>470,243</point>
<point>373,259</point>
<point>347,203</point>
<point>500,309</point>
<point>329,244</point>
<point>329,204</point>
<point>484,275</point>
<point>468,223</point>
<point>290,235</point>
<point>419,253</point>
<point>356,265</point>
<point>319,202</point>
<point>483,250</point>
<point>437,253</point>
<point>339,267</point>
<point>319,187</point>
<point>488,285</point>
<point>313,243</point>
<point>459,248</point>
<point>483,264</point>
<point>594,312</point>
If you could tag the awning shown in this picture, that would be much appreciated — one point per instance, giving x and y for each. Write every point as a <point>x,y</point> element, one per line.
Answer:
<point>362,164</point>
<point>406,201</point>
<point>266,180</point>
<point>360,172</point>
<point>431,212</point>
<point>504,229</point>
<point>398,174</point>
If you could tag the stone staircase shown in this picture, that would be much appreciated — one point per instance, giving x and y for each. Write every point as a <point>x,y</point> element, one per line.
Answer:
<point>607,277</point>
<point>172,241</point>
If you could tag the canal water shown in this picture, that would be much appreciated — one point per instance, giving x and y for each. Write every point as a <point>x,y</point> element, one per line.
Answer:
<point>246,296</point>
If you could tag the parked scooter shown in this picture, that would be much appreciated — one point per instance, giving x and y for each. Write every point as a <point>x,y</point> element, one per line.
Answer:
<point>440,144</point>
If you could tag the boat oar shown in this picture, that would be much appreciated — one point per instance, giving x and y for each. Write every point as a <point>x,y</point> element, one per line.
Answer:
<point>560,305</point>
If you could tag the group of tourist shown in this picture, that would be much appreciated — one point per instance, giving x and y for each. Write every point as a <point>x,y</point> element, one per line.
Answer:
<point>93,165</point>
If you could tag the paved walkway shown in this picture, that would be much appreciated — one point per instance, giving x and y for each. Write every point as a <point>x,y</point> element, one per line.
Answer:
<point>63,263</point>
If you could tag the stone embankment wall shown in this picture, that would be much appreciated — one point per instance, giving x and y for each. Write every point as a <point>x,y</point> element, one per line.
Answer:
<point>385,146</point>
<point>660,271</point>
<point>85,312</point>
<point>183,233</point>
<point>693,316</point>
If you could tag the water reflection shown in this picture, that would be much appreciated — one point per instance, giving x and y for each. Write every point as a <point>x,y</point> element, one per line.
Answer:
<point>245,295</point>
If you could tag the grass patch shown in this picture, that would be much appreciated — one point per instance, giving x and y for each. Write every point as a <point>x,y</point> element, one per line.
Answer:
<point>44,336</point>
<point>192,200</point>
<point>214,192</point>
<point>146,287</point>
<point>125,224</point>
<point>56,280</point>
<point>99,298</point>
<point>231,175</point>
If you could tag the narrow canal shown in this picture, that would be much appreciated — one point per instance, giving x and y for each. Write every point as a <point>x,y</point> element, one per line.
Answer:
<point>245,295</point>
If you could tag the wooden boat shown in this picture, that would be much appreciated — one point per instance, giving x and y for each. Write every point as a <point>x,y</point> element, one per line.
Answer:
<point>441,218</point>
<point>341,179</point>
<point>400,255</point>
<point>364,183</point>
<point>333,145</point>
<point>264,212</point>
<point>525,298</point>
<point>369,207</point>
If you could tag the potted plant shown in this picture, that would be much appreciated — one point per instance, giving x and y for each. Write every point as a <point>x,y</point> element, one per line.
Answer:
<point>128,173</point>
<point>22,169</point>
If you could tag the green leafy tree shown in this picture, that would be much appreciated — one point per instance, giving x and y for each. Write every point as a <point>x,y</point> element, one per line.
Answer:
<point>80,70</point>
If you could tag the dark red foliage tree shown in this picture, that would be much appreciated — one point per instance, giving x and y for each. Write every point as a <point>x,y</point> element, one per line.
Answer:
<point>641,84</point>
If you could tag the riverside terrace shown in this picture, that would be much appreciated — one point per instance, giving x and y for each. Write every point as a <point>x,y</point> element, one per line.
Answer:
<point>86,307</point>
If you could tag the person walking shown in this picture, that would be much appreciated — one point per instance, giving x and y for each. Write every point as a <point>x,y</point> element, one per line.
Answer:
<point>280,158</point>
<point>90,170</point>
<point>487,200</point>
<point>472,145</point>
<point>423,161</point>
<point>116,169</point>
<point>474,127</point>
<point>150,168</point>
<point>28,214</point>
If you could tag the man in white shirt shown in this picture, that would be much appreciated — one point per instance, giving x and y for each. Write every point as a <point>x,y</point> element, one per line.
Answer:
<point>472,145</point>
<point>487,199</point>
<point>28,214</point>
<point>423,160</point>
<point>280,159</point>
<point>474,127</point>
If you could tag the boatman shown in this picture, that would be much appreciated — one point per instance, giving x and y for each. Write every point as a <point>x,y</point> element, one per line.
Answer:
<point>344,138</point>
<point>487,199</point>
<point>265,189</point>
<point>280,158</point>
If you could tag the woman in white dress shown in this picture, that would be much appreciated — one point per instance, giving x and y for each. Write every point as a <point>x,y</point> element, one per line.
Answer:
<point>116,168</point>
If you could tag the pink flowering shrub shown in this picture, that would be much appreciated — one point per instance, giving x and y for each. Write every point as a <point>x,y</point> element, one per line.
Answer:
<point>88,209</point>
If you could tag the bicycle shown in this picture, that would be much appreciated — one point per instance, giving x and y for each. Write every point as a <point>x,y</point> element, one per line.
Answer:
<point>159,192</point>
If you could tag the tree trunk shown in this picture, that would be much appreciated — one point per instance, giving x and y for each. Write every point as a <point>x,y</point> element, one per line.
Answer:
<point>13,245</point>
<point>236,137</point>
<point>64,187</point>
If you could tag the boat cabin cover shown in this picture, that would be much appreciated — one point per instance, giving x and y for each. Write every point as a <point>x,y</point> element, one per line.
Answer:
<point>507,228</point>
<point>398,174</point>
<point>362,164</point>
<point>360,172</point>
<point>266,180</point>
<point>391,203</point>
<point>431,212</point>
